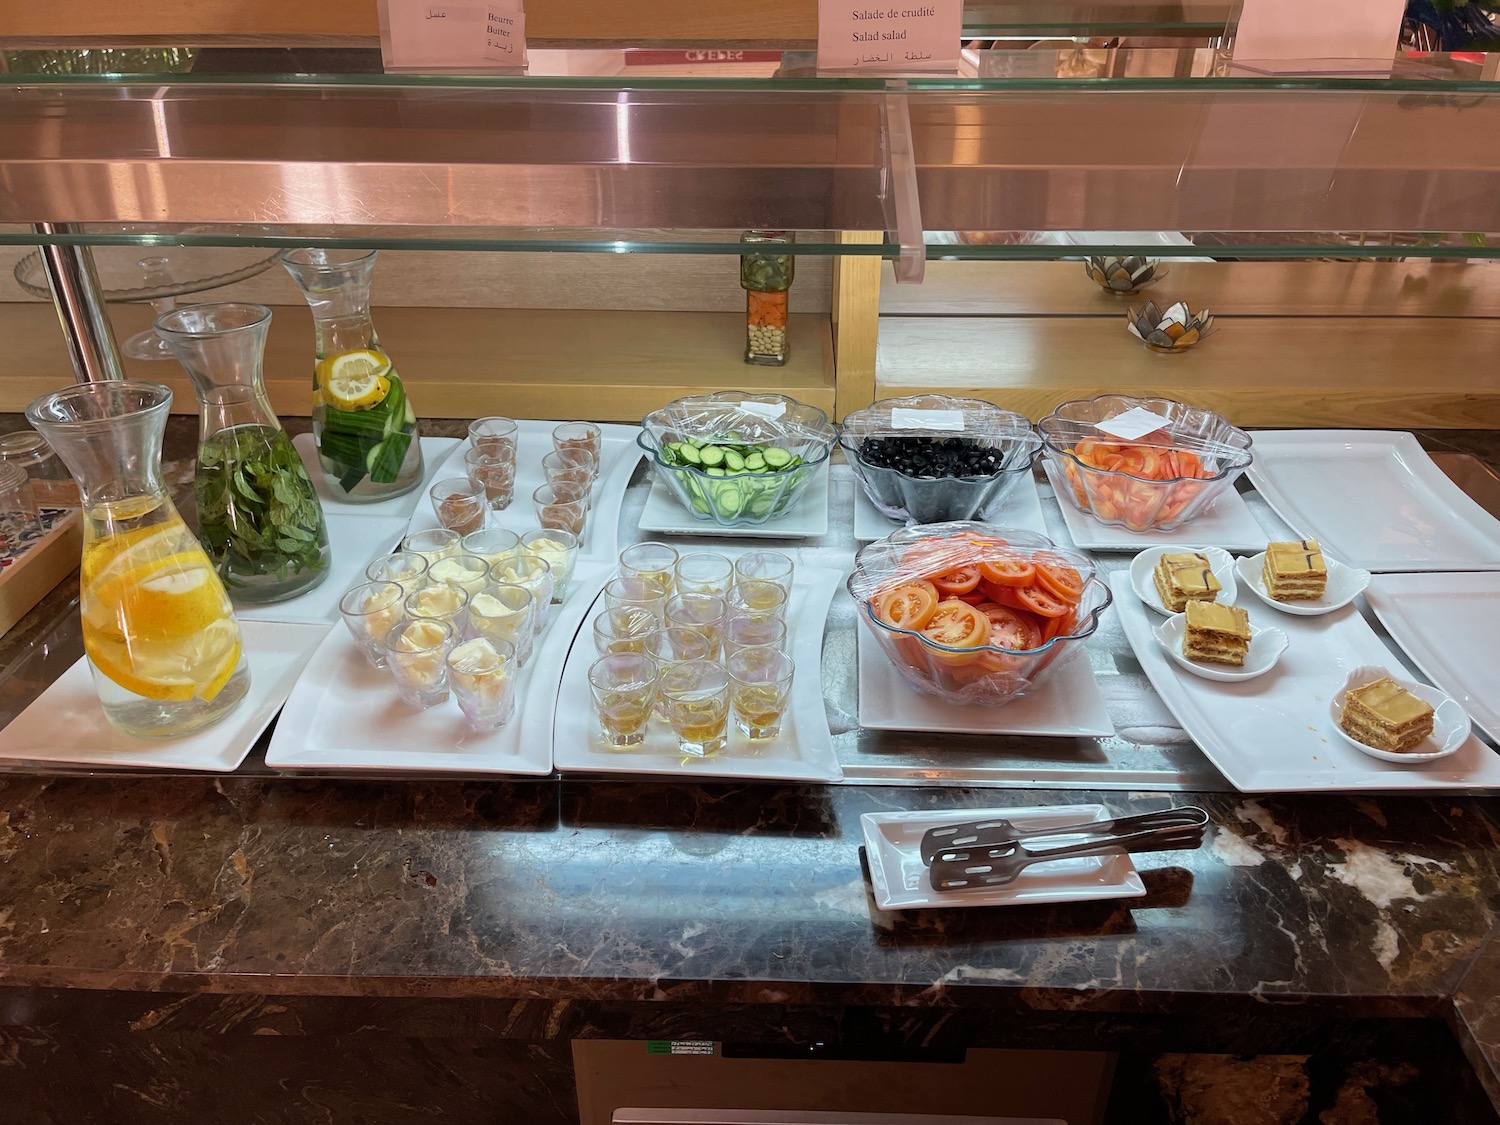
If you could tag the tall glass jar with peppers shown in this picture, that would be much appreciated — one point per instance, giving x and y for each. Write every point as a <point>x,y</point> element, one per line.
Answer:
<point>766,277</point>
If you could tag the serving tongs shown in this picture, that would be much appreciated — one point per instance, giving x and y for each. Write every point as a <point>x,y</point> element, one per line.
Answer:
<point>991,853</point>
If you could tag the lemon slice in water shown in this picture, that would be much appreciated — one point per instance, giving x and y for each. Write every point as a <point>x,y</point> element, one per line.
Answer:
<point>355,380</point>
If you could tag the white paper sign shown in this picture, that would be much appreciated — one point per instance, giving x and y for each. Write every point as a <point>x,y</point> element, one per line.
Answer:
<point>1328,29</point>
<point>505,34</point>
<point>907,418</point>
<point>764,409</point>
<point>464,36</point>
<point>1134,423</point>
<point>893,35</point>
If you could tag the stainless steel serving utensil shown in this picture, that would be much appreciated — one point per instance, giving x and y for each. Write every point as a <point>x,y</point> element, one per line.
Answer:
<point>997,830</point>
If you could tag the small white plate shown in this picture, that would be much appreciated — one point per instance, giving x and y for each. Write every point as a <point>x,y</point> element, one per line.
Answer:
<point>803,752</point>
<point>1450,722</point>
<point>1067,704</point>
<point>533,442</point>
<point>1143,567</point>
<point>1022,509</point>
<point>346,715</point>
<point>806,519</point>
<point>893,846</point>
<point>1229,524</point>
<point>353,541</point>
<point>1266,647</point>
<point>66,724</point>
<point>1345,583</point>
<point>434,449</point>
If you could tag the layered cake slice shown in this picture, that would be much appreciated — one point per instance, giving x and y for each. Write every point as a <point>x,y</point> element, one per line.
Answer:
<point>1295,572</point>
<point>1215,633</point>
<point>1183,577</point>
<point>1386,716</point>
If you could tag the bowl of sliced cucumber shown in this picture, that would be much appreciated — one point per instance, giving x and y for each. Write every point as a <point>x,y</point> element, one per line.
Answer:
<point>735,458</point>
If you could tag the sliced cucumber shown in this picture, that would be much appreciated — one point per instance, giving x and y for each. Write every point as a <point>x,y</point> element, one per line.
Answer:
<point>776,458</point>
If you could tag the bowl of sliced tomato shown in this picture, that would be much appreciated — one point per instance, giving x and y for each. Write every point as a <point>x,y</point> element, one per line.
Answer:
<point>975,613</point>
<point>1155,482</point>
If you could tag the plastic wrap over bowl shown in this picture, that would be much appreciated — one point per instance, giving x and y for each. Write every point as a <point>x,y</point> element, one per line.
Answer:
<point>1156,482</point>
<point>933,499</point>
<point>738,499</point>
<point>986,674</point>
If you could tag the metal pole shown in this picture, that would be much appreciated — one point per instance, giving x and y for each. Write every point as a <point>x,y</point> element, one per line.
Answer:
<point>80,307</point>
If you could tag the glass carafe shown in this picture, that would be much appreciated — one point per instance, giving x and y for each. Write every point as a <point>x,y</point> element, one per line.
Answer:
<point>259,517</point>
<point>160,634</point>
<point>363,422</point>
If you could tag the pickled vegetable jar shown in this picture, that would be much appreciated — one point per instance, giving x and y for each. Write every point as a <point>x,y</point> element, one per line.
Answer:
<point>766,278</point>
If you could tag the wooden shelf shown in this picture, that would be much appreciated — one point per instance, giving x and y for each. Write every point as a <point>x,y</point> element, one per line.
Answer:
<point>463,363</point>
<point>1315,371</point>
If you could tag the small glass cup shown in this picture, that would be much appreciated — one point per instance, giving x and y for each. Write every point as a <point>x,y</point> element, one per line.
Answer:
<point>702,612</point>
<point>503,611</point>
<point>575,466</point>
<point>405,568</point>
<point>760,686</point>
<point>695,695</point>
<point>701,572</point>
<point>493,476</point>
<point>758,630</point>
<point>437,601</point>
<point>656,561</point>
<point>579,435</point>
<point>468,572</point>
<point>765,566</point>
<point>533,572</point>
<point>560,549</point>
<point>562,512</point>
<point>641,593</point>
<point>494,437</point>
<point>493,545</point>
<point>433,544</point>
<point>19,522</point>
<point>623,685</point>
<point>623,629</point>
<point>460,507</point>
<point>757,596</point>
<point>416,652</point>
<point>51,484</point>
<point>370,612</point>
<point>482,674</point>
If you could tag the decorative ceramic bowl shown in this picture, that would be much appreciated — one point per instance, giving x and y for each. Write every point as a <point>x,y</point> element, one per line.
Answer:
<point>1174,330</point>
<point>1123,275</point>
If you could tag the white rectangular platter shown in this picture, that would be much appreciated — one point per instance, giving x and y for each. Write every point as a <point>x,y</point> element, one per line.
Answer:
<point>345,715</point>
<point>1068,703</point>
<point>533,442</point>
<point>1022,509</point>
<point>1229,524</point>
<point>66,724</point>
<point>898,877</point>
<point>806,519</point>
<point>1273,734</point>
<point>1373,499</point>
<point>353,541</point>
<point>804,752</point>
<point>1448,625</point>
<point>434,450</point>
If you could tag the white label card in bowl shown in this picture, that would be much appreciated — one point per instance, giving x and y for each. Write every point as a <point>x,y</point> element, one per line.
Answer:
<point>1135,423</point>
<point>764,409</point>
<point>908,418</point>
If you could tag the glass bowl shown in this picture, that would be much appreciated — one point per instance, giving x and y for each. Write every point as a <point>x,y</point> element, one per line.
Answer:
<point>737,497</point>
<point>1157,482</point>
<point>989,674</point>
<point>933,499</point>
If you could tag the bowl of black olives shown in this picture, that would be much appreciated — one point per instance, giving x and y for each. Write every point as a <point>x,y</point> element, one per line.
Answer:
<point>933,458</point>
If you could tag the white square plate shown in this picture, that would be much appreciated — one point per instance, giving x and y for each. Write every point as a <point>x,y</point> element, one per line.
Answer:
<point>806,519</point>
<point>533,442</point>
<point>1068,703</point>
<point>353,541</point>
<point>344,714</point>
<point>1229,524</point>
<point>1373,499</point>
<point>1272,734</point>
<point>1448,625</point>
<point>66,723</point>
<point>804,752</point>
<point>1022,509</point>
<point>434,449</point>
<point>893,843</point>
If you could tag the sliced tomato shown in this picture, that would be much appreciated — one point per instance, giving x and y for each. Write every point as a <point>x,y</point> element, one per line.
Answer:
<point>974,597</point>
<point>958,625</point>
<point>1058,578</point>
<point>1001,595</point>
<point>959,580</point>
<point>910,605</point>
<point>1040,602</point>
<point>1057,626</point>
<point>1010,628</point>
<point>1007,570</point>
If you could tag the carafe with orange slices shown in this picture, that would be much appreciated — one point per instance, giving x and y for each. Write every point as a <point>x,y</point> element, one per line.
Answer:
<point>363,421</point>
<point>161,638</point>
